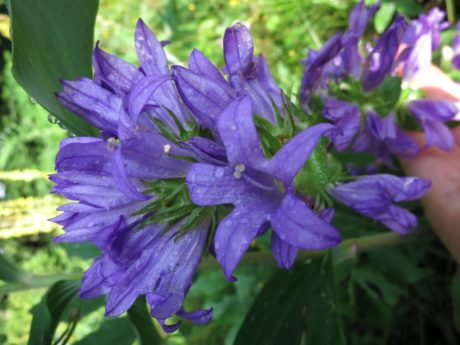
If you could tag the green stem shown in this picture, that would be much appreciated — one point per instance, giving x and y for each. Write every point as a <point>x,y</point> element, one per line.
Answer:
<point>450,7</point>
<point>353,245</point>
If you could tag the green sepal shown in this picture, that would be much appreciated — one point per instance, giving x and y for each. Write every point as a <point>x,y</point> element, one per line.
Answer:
<point>320,171</point>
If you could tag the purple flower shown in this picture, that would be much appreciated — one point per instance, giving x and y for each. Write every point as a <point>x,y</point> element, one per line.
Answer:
<point>316,65</point>
<point>431,115</point>
<point>207,93</point>
<point>102,102</point>
<point>456,48</point>
<point>358,21</point>
<point>347,117</point>
<point>107,176</point>
<point>374,196</point>
<point>381,60</point>
<point>382,138</point>
<point>423,36</point>
<point>261,190</point>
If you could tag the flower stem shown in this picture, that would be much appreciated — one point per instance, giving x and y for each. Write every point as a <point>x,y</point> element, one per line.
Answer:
<point>450,7</point>
<point>354,246</point>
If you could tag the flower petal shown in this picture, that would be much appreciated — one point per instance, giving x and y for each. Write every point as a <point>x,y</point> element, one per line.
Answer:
<point>238,49</point>
<point>292,156</point>
<point>150,51</point>
<point>283,252</point>
<point>215,185</point>
<point>205,97</point>
<point>116,73</point>
<point>236,232</point>
<point>200,64</point>
<point>238,132</point>
<point>295,223</point>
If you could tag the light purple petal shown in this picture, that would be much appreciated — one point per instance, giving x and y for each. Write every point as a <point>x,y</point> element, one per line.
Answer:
<point>150,51</point>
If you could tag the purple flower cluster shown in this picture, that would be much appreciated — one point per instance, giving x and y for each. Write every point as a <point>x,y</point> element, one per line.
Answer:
<point>365,128</point>
<point>177,146</point>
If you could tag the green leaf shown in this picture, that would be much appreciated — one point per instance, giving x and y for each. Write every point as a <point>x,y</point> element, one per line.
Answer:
<point>140,318</point>
<point>455,293</point>
<point>294,304</point>
<point>383,16</point>
<point>48,313</point>
<point>112,331</point>
<point>10,273</point>
<point>53,40</point>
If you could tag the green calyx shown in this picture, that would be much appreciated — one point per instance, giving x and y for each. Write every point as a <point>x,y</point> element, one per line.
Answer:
<point>320,172</point>
<point>384,99</point>
<point>172,206</point>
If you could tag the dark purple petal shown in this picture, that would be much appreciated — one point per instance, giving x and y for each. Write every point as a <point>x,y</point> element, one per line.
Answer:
<point>316,65</point>
<point>209,151</point>
<point>150,51</point>
<point>236,232</point>
<point>347,118</point>
<point>149,261</point>
<point>238,49</point>
<point>238,132</point>
<point>198,316</point>
<point>292,156</point>
<point>381,60</point>
<point>283,252</point>
<point>118,74</point>
<point>296,223</point>
<point>206,98</point>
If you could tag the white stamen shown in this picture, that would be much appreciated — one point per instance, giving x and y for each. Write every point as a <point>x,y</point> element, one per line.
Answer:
<point>167,148</point>
<point>239,168</point>
<point>111,143</point>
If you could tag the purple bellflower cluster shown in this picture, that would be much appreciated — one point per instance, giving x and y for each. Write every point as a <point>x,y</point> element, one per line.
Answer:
<point>192,161</point>
<point>360,84</point>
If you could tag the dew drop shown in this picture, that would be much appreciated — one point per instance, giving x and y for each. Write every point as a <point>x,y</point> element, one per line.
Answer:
<point>52,119</point>
<point>219,172</point>
<point>33,100</point>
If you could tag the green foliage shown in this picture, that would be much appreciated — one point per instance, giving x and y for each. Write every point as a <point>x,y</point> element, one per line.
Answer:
<point>61,38</point>
<point>111,331</point>
<point>9,272</point>
<point>48,312</point>
<point>140,318</point>
<point>295,305</point>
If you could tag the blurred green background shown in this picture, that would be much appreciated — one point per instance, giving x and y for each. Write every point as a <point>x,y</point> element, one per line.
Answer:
<point>284,30</point>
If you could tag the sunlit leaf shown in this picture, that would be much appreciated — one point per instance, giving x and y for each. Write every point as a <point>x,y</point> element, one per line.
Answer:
<point>52,40</point>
